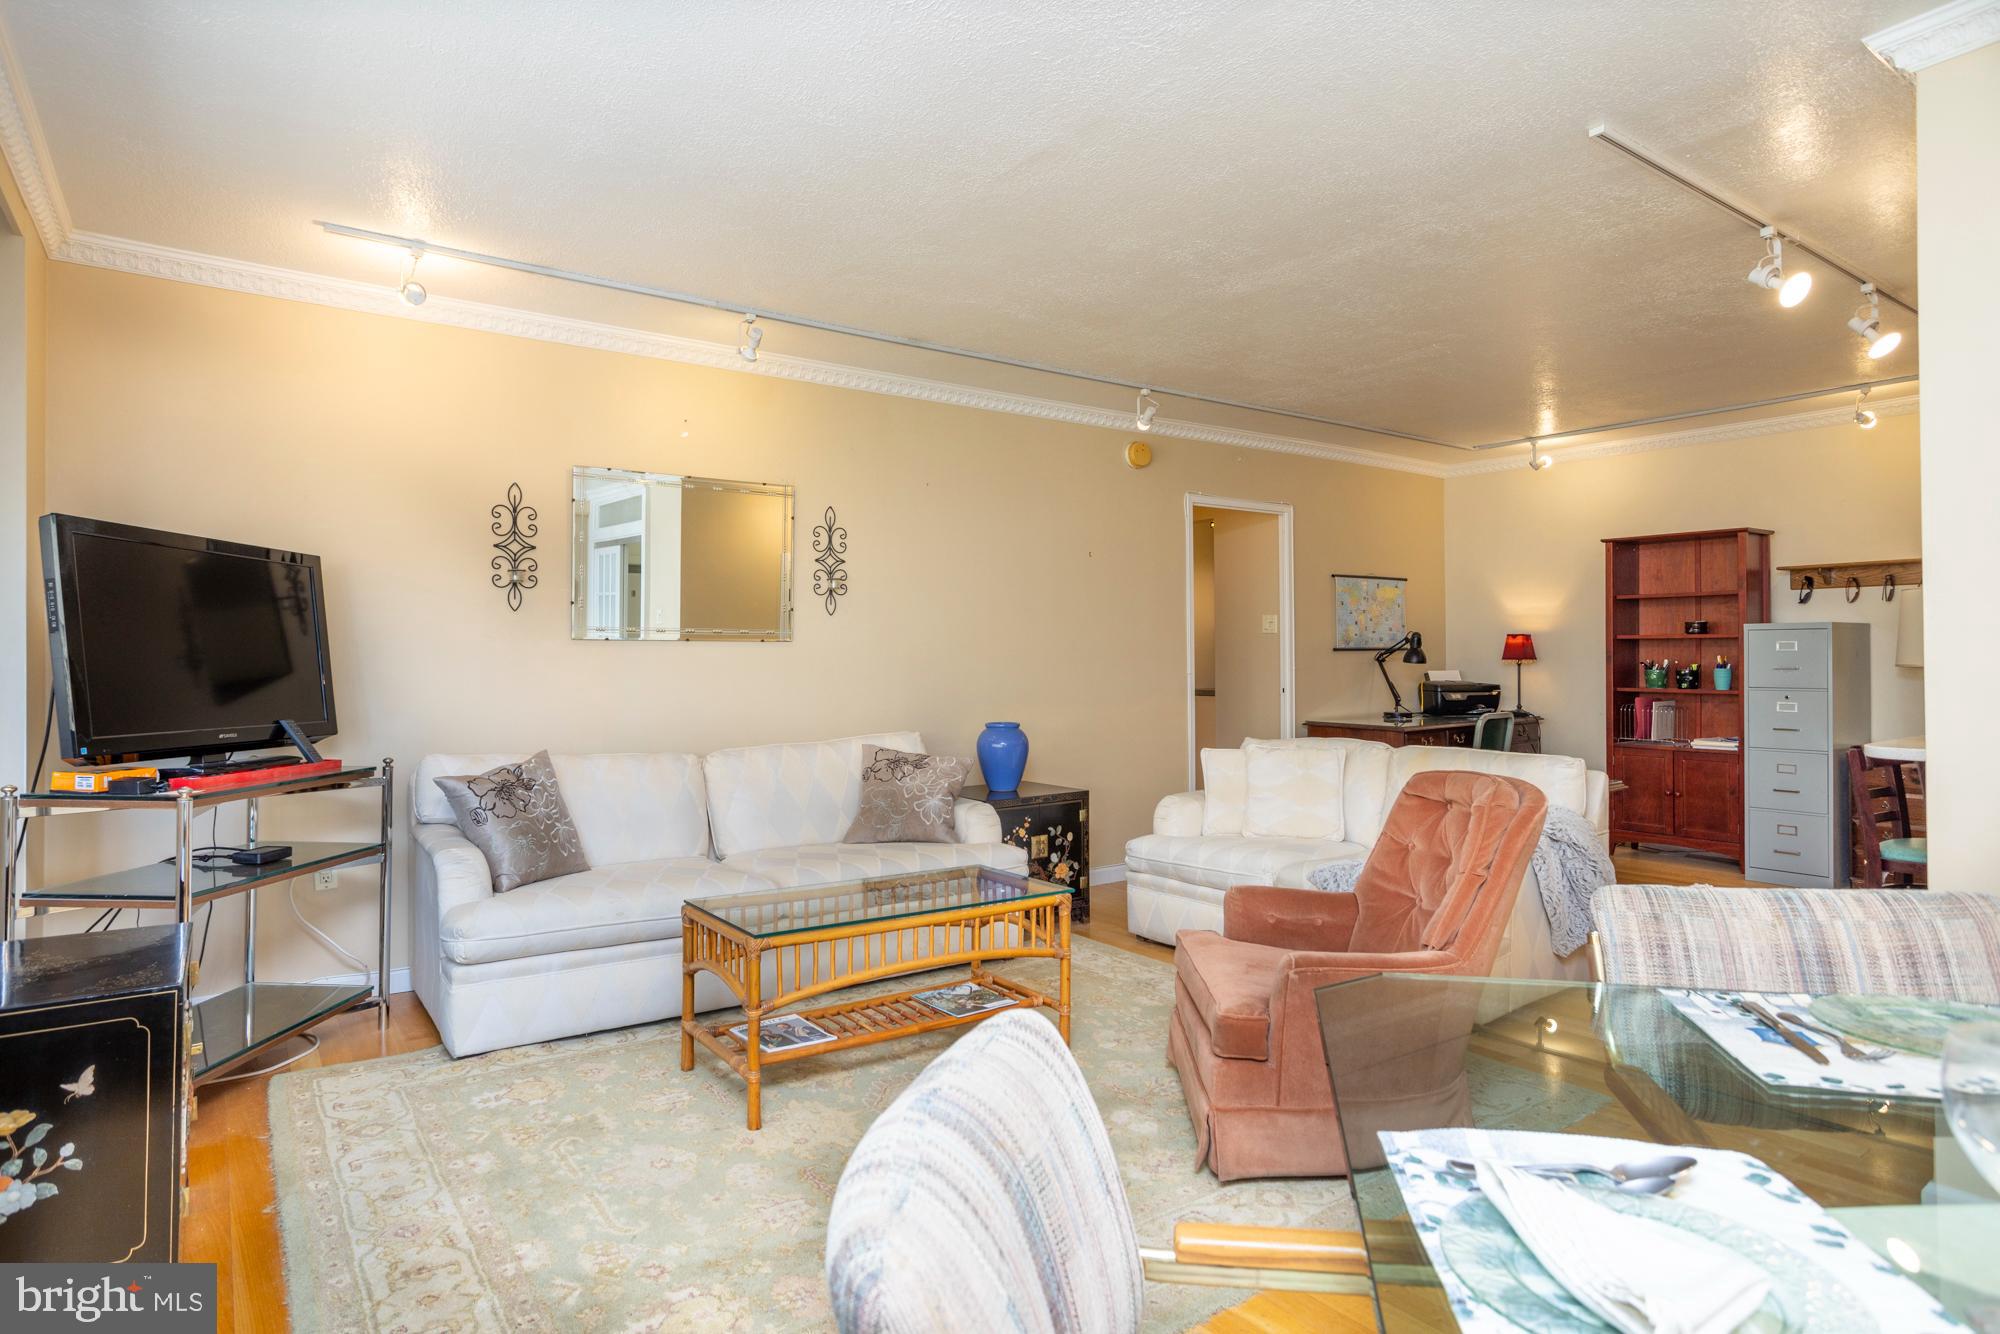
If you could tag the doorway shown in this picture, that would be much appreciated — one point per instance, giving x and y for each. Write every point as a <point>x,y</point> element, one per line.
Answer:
<point>1239,619</point>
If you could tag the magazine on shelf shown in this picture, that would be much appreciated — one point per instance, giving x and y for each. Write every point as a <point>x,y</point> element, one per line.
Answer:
<point>1716,743</point>
<point>784,1033</point>
<point>964,999</point>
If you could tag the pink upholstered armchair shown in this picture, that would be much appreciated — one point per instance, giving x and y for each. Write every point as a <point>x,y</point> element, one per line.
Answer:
<point>1434,897</point>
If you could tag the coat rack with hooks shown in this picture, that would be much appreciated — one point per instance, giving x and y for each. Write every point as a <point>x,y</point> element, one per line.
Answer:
<point>1850,576</point>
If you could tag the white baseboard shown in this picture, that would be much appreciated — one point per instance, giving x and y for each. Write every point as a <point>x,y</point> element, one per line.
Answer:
<point>399,980</point>
<point>1113,874</point>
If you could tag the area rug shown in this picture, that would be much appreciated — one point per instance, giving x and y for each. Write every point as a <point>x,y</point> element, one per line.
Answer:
<point>590,1184</point>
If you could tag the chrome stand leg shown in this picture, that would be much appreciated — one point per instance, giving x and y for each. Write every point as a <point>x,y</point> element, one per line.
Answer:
<point>11,835</point>
<point>250,903</point>
<point>382,970</point>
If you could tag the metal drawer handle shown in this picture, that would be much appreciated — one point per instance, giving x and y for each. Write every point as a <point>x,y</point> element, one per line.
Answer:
<point>1785,729</point>
<point>1788,791</point>
<point>1787,852</point>
<point>1785,669</point>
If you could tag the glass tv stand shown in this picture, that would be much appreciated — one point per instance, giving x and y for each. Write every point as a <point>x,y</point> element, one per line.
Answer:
<point>232,1027</point>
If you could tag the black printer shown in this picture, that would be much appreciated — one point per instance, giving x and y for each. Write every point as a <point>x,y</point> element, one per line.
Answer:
<point>1457,697</point>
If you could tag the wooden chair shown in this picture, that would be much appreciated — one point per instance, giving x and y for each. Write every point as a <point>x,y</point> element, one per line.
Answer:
<point>1890,857</point>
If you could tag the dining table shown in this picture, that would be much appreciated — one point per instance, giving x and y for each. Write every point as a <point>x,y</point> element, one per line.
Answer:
<point>1896,750</point>
<point>1454,1055</point>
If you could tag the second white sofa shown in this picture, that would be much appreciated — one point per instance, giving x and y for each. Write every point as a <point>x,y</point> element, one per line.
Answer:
<point>1176,875</point>
<point>601,948</point>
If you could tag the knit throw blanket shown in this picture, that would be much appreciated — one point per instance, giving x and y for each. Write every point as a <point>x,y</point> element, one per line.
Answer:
<point>1570,864</point>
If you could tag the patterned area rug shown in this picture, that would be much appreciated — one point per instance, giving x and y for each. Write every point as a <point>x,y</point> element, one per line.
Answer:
<point>591,1185</point>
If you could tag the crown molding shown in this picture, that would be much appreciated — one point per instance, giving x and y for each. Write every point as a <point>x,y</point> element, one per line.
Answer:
<point>1936,35</point>
<point>137,257</point>
<point>27,156</point>
<point>1699,435</point>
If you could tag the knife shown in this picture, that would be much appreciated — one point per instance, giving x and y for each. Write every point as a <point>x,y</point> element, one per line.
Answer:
<point>1778,1026</point>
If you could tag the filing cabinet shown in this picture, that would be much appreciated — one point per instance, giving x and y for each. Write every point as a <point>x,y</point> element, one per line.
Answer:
<point>1805,701</point>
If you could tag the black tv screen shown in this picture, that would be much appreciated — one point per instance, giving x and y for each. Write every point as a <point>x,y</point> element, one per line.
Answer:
<point>167,645</point>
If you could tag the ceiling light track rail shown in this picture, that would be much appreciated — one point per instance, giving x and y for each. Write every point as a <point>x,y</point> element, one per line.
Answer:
<point>749,314</point>
<point>1610,138</point>
<point>1534,441</point>
<point>753,335</point>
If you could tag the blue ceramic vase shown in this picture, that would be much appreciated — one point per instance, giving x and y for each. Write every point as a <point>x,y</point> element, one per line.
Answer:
<point>1003,756</point>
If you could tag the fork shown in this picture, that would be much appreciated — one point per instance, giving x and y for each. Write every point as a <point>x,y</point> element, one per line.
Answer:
<point>1847,1049</point>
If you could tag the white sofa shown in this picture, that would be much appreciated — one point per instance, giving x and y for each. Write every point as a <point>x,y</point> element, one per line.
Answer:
<point>601,948</point>
<point>1175,876</point>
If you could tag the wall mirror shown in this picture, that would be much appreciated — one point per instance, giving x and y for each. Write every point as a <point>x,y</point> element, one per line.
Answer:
<point>656,556</point>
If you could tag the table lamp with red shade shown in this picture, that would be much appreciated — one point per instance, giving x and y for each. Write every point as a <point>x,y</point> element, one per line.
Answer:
<point>1517,650</point>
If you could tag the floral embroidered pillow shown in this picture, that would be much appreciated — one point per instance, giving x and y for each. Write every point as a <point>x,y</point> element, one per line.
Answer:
<point>516,816</point>
<point>907,798</point>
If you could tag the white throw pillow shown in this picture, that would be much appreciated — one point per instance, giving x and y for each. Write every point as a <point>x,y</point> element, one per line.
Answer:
<point>1293,791</point>
<point>1222,792</point>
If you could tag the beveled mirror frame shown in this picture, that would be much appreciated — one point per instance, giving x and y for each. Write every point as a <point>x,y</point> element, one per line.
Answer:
<point>579,582</point>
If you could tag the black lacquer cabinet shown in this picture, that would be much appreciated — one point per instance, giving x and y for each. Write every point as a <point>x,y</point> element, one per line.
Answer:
<point>93,1096</point>
<point>1052,824</point>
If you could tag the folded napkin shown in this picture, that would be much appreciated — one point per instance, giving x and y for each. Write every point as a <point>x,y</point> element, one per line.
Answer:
<point>1639,1275</point>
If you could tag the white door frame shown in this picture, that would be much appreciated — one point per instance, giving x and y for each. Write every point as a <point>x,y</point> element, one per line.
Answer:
<point>1287,664</point>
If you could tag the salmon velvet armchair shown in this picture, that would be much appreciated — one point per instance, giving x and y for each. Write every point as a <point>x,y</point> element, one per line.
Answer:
<point>1434,897</point>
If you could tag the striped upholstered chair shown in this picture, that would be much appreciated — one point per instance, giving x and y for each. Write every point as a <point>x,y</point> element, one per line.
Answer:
<point>1865,941</point>
<point>1882,942</point>
<point>986,1197</point>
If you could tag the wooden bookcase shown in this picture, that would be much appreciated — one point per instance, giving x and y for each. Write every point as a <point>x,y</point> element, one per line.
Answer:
<point>1653,586</point>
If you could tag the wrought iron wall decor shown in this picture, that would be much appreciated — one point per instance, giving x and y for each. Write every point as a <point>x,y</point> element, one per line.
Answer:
<point>830,548</point>
<point>514,523</point>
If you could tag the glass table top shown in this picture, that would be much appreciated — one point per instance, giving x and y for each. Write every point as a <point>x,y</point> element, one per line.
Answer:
<point>784,912</point>
<point>1409,1052</point>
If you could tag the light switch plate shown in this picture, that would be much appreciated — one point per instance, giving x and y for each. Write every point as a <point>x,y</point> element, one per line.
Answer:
<point>1271,623</point>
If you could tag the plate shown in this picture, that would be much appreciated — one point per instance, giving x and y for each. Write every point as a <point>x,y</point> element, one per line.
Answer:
<point>1907,1023</point>
<point>1490,1260</point>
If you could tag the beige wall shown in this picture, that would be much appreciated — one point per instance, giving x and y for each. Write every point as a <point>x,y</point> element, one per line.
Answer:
<point>1249,700</point>
<point>1523,552</point>
<point>23,650</point>
<point>1958,265</point>
<point>1002,567</point>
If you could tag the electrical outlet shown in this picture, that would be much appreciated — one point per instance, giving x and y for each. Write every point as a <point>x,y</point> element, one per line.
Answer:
<point>1271,624</point>
<point>325,880</point>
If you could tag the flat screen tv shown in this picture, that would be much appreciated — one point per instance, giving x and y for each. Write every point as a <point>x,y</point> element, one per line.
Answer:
<point>165,645</point>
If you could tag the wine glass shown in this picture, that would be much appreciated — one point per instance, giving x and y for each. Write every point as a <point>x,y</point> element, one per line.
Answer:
<point>1972,1095</point>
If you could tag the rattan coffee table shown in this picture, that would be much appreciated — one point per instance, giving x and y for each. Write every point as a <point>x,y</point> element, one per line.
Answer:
<point>780,947</point>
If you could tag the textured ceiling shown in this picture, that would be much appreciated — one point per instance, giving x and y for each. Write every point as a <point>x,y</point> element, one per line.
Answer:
<point>1368,209</point>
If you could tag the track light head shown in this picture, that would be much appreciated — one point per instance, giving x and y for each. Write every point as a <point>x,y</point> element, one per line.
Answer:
<point>1864,416</point>
<point>752,336</point>
<point>1538,461</point>
<point>1769,272</point>
<point>1867,324</point>
<point>410,289</point>
<point>1144,411</point>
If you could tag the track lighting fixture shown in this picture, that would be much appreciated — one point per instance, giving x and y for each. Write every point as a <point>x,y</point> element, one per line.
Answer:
<point>1864,416</point>
<point>1538,461</point>
<point>411,290</point>
<point>1145,410</point>
<point>1769,272</point>
<point>1867,322</point>
<point>752,336</point>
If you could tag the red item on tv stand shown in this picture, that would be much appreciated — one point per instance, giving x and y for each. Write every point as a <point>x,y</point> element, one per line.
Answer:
<point>277,773</point>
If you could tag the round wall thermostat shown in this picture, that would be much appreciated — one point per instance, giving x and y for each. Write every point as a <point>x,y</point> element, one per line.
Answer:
<point>1138,454</point>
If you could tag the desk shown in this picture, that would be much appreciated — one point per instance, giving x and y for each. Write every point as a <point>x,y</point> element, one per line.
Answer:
<point>1426,730</point>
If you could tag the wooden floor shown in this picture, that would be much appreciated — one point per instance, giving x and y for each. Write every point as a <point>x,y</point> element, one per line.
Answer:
<point>231,1212</point>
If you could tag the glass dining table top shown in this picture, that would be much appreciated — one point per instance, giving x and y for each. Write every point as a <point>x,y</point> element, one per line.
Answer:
<point>1413,1053</point>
